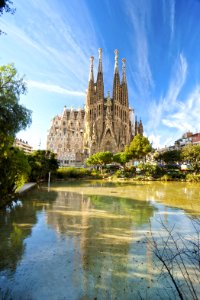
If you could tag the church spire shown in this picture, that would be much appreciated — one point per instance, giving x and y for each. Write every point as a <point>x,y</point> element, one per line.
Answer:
<point>90,91</point>
<point>116,82</point>
<point>100,61</point>
<point>99,83</point>
<point>91,75</point>
<point>123,70</point>
<point>141,130</point>
<point>124,89</point>
<point>116,70</point>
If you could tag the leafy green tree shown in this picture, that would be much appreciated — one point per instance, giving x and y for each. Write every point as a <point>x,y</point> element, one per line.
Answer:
<point>100,158</point>
<point>150,169</point>
<point>139,147</point>
<point>191,154</point>
<point>169,157</point>
<point>6,5</point>
<point>13,118</point>
<point>15,170</point>
<point>42,162</point>
<point>122,158</point>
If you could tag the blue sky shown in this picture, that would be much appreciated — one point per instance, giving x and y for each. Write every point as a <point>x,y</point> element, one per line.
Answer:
<point>51,41</point>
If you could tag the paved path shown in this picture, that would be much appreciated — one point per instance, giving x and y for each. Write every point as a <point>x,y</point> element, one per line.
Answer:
<point>26,187</point>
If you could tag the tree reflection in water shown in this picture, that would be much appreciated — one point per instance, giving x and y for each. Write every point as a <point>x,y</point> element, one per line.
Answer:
<point>16,223</point>
<point>87,241</point>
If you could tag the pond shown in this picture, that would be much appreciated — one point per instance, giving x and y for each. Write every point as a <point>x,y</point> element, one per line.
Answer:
<point>92,239</point>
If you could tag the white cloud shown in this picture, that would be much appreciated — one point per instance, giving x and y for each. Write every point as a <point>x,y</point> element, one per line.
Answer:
<point>140,13</point>
<point>169,113</point>
<point>59,44</point>
<point>158,142</point>
<point>179,75</point>
<point>169,103</point>
<point>20,36</point>
<point>53,88</point>
<point>155,140</point>
<point>187,115</point>
<point>172,17</point>
<point>171,124</point>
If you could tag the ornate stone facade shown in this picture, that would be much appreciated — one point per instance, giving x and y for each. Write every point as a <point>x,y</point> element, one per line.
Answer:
<point>106,124</point>
<point>65,137</point>
<point>109,121</point>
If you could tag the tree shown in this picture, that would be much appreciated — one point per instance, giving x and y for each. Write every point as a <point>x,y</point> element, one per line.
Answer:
<point>150,169</point>
<point>42,162</point>
<point>139,147</point>
<point>169,157</point>
<point>100,158</point>
<point>191,154</point>
<point>14,173</point>
<point>122,158</point>
<point>13,118</point>
<point>5,6</point>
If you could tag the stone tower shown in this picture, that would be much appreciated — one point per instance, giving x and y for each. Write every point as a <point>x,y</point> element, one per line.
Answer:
<point>138,127</point>
<point>108,126</point>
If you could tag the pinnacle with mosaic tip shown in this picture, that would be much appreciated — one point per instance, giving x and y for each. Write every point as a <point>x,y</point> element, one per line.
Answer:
<point>116,61</point>
<point>124,70</point>
<point>100,69</point>
<point>91,75</point>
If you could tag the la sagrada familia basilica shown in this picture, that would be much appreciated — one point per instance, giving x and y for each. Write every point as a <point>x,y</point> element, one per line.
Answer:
<point>106,124</point>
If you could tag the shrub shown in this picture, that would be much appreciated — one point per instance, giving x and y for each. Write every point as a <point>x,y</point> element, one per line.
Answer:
<point>96,174</point>
<point>150,169</point>
<point>176,174</point>
<point>166,177</point>
<point>193,177</point>
<point>119,173</point>
<point>72,172</point>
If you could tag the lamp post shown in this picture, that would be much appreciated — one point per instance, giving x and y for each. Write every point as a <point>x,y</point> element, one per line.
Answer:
<point>49,180</point>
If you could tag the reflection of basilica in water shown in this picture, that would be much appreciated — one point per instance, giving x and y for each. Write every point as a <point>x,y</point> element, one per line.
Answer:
<point>104,239</point>
<point>72,243</point>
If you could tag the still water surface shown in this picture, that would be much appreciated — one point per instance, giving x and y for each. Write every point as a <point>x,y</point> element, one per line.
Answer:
<point>89,240</point>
